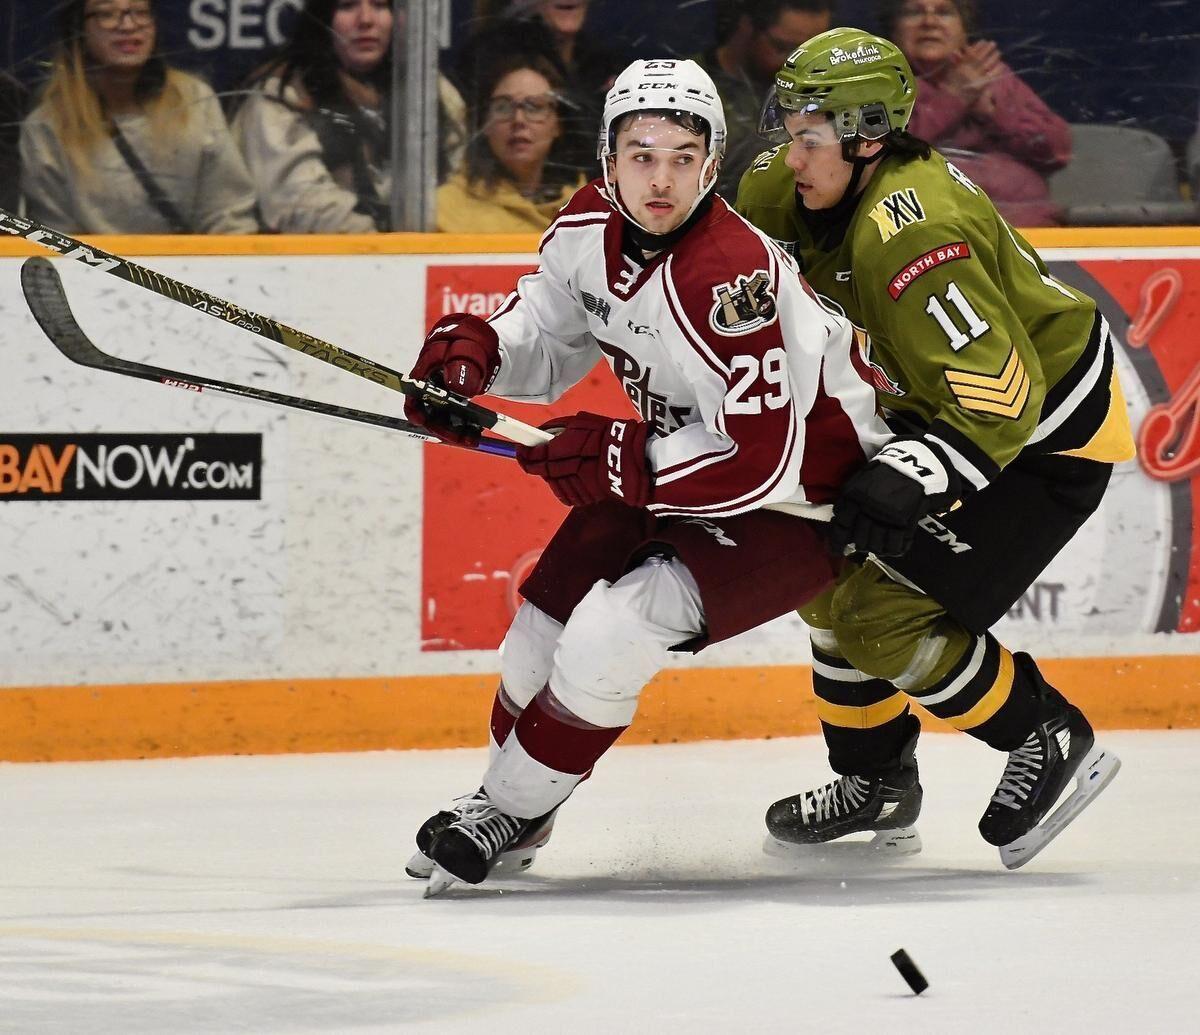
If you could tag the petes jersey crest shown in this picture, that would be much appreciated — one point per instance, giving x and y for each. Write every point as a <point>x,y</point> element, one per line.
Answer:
<point>754,392</point>
<point>970,336</point>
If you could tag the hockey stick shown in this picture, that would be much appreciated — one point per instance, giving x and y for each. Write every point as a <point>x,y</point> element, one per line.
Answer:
<point>458,410</point>
<point>47,300</point>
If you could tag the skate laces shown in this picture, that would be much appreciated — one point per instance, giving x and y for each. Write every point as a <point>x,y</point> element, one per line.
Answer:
<point>463,800</point>
<point>835,799</point>
<point>1022,769</point>
<point>486,826</point>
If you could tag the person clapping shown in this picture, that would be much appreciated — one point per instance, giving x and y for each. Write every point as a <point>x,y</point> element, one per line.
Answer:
<point>972,107</point>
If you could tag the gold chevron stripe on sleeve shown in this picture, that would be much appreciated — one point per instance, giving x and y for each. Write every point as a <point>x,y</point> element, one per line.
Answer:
<point>1004,393</point>
<point>1012,365</point>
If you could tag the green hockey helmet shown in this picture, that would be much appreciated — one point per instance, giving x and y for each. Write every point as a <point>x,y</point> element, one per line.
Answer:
<point>863,81</point>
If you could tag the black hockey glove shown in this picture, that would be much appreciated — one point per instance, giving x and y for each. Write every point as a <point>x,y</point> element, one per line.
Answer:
<point>882,504</point>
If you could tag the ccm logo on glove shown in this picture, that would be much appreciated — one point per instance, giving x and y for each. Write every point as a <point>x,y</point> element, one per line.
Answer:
<point>882,504</point>
<point>918,461</point>
<point>616,434</point>
<point>592,458</point>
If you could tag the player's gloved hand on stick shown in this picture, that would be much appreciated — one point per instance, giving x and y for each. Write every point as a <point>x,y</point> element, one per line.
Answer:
<point>460,353</point>
<point>592,458</point>
<point>881,505</point>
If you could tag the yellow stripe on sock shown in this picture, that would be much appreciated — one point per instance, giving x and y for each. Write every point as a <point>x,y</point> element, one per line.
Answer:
<point>853,718</point>
<point>990,703</point>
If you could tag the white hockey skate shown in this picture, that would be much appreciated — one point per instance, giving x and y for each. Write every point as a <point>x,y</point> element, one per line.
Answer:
<point>514,860</point>
<point>470,848</point>
<point>1019,820</point>
<point>1093,775</point>
<point>813,825</point>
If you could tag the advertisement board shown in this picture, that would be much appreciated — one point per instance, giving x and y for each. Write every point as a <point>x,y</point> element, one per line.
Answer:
<point>1133,569</point>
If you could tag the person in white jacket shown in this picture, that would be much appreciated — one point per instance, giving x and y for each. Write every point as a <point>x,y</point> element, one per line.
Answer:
<point>120,143</point>
<point>313,127</point>
<point>698,520</point>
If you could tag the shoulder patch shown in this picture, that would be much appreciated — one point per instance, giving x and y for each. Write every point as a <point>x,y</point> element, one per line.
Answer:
<point>1003,394</point>
<point>597,307</point>
<point>743,306</point>
<point>763,161</point>
<point>899,209</point>
<point>924,263</point>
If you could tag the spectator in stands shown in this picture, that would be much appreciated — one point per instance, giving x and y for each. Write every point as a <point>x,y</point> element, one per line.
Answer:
<point>314,126</point>
<point>553,29</point>
<point>754,37</point>
<point>122,143</point>
<point>972,107</point>
<point>514,179</point>
<point>12,111</point>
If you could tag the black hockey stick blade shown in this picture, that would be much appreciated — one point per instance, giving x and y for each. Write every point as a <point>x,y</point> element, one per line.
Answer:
<point>48,303</point>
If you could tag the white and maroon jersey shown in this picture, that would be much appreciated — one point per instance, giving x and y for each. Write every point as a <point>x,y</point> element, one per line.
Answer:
<point>750,386</point>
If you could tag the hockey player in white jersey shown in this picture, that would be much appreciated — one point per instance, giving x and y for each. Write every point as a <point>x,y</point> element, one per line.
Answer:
<point>750,395</point>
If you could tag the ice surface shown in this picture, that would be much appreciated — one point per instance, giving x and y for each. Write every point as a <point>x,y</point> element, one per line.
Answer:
<point>267,895</point>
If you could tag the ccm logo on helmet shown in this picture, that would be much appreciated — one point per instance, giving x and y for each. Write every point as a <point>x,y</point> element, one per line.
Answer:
<point>613,457</point>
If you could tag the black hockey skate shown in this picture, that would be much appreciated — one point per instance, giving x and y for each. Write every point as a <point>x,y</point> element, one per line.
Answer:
<point>471,846</point>
<point>886,804</point>
<point>520,857</point>
<point>1060,746</point>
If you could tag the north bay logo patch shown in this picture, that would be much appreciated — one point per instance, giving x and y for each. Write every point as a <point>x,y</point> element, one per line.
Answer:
<point>743,306</point>
<point>922,264</point>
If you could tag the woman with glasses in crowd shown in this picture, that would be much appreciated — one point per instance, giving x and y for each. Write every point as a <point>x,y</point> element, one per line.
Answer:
<point>122,143</point>
<point>515,178</point>
<point>314,126</point>
<point>974,109</point>
<point>556,30</point>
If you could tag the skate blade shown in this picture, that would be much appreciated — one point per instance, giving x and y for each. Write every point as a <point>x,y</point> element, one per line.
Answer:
<point>439,881</point>
<point>419,866</point>
<point>886,844</point>
<point>1096,773</point>
<point>516,862</point>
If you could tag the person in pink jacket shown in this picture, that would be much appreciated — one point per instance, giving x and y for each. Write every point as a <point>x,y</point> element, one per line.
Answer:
<point>974,109</point>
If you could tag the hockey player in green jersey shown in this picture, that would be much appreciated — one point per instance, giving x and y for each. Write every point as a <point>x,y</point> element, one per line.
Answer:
<point>1000,382</point>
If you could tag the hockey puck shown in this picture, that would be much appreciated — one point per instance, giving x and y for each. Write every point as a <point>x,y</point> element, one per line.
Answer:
<point>908,971</point>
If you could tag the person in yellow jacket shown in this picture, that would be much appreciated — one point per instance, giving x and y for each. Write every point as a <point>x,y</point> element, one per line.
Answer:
<point>514,179</point>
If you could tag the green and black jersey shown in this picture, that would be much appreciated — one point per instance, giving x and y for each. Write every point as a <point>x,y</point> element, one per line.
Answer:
<point>971,339</point>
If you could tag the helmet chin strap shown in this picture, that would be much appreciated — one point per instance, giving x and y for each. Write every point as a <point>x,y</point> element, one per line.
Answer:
<point>645,238</point>
<point>859,166</point>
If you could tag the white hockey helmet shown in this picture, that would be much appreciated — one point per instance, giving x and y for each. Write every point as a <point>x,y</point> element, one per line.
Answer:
<point>668,85</point>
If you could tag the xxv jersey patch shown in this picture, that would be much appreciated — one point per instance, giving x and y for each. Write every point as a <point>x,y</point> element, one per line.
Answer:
<point>1003,394</point>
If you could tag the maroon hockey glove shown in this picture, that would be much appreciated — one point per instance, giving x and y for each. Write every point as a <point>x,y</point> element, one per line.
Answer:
<point>592,458</point>
<point>461,353</point>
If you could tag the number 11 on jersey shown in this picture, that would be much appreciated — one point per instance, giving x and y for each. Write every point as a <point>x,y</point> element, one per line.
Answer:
<point>977,327</point>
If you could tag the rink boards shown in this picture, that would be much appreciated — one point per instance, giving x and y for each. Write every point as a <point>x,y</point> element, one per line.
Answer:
<point>192,574</point>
